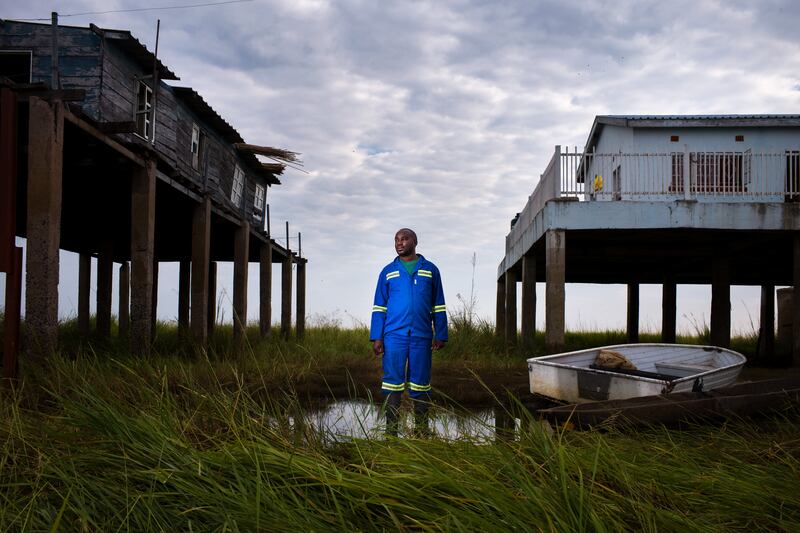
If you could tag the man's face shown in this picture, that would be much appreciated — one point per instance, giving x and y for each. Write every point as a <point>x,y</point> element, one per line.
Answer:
<point>404,244</point>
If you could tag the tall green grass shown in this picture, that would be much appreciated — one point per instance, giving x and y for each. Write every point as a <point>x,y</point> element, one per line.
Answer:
<point>168,444</point>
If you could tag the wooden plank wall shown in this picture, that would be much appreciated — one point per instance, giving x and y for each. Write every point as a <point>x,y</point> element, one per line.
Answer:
<point>110,76</point>
<point>78,58</point>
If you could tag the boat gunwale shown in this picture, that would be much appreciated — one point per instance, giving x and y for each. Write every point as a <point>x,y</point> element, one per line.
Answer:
<point>543,361</point>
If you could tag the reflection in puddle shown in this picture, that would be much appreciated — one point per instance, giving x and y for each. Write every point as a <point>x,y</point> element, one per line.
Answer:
<point>344,420</point>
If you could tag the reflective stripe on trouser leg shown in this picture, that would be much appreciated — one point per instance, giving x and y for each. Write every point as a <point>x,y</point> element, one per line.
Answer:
<point>395,355</point>
<point>419,367</point>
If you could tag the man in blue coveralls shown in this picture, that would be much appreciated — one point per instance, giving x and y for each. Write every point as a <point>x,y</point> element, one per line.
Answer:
<point>409,320</point>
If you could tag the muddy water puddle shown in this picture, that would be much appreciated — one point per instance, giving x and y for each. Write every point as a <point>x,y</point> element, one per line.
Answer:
<point>356,419</point>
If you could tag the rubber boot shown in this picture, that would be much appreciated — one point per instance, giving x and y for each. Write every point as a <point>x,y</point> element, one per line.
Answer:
<point>421,427</point>
<point>392,410</point>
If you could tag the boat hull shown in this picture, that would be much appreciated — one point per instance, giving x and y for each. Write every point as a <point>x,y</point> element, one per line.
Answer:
<point>568,377</point>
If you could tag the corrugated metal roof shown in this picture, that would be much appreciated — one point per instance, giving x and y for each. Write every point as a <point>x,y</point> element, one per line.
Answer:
<point>206,113</point>
<point>138,51</point>
<point>701,117</point>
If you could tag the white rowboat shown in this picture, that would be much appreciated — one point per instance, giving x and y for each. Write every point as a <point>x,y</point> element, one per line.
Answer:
<point>660,369</point>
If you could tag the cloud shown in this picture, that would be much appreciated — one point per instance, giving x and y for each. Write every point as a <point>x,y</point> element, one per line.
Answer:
<point>440,115</point>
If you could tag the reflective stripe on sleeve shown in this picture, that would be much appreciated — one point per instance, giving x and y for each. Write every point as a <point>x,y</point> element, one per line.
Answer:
<point>378,309</point>
<point>439,308</point>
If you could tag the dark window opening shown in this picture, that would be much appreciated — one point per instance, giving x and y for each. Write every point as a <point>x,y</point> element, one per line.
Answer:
<point>674,138</point>
<point>16,66</point>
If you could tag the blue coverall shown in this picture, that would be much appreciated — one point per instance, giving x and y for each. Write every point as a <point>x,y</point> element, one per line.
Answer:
<point>407,314</point>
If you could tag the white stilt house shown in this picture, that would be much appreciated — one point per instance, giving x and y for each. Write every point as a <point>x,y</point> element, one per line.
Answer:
<point>662,199</point>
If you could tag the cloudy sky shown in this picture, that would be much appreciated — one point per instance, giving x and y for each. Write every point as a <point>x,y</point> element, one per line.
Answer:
<point>440,115</point>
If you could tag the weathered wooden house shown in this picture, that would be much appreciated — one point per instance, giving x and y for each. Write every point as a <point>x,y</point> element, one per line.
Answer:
<point>666,200</point>
<point>116,118</point>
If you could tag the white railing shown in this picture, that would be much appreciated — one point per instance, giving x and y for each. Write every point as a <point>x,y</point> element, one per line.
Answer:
<point>732,176</point>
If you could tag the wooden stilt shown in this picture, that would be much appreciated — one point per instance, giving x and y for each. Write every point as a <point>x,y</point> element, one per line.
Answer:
<point>669,294</point>
<point>511,306</point>
<point>11,319</point>
<point>201,250</point>
<point>45,159</point>
<point>143,210</point>
<point>241,258</point>
<point>796,302</point>
<point>265,289</point>
<point>528,300</point>
<point>124,299</point>
<point>212,298</point>
<point>720,301</point>
<point>105,269</point>
<point>555,295</point>
<point>301,300</point>
<point>286,296</point>
<point>154,306</point>
<point>633,312</point>
<point>184,295</point>
<point>84,292</point>
<point>500,310</point>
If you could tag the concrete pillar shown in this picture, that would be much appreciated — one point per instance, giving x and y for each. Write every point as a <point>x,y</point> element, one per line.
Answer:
<point>720,301</point>
<point>45,159</point>
<point>783,342</point>
<point>555,276</point>
<point>669,311</point>
<point>84,292</point>
<point>500,311</point>
<point>286,296</point>
<point>633,312</point>
<point>105,280</point>
<point>241,257</point>
<point>511,306</point>
<point>124,299</point>
<point>265,288</point>
<point>528,300</point>
<point>154,306</point>
<point>796,303</point>
<point>201,250</point>
<point>143,221</point>
<point>300,322</point>
<point>212,298</point>
<point>766,324</point>
<point>184,295</point>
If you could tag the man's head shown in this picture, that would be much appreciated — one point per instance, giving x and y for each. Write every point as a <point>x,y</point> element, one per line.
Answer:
<point>405,243</point>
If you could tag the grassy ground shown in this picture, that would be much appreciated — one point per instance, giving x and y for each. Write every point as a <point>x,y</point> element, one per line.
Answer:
<point>96,440</point>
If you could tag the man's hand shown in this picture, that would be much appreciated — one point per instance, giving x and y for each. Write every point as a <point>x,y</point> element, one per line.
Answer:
<point>377,347</point>
<point>437,345</point>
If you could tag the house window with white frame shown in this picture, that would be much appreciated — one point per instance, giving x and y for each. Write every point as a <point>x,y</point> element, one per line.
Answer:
<point>144,110</point>
<point>198,147</point>
<point>237,186</point>
<point>258,203</point>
